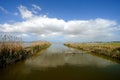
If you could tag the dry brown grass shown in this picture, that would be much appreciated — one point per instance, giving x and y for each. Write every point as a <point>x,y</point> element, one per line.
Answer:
<point>10,44</point>
<point>37,46</point>
<point>11,49</point>
<point>40,43</point>
<point>106,49</point>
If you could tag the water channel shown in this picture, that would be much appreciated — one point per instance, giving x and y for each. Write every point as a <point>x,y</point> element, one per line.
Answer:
<point>59,62</point>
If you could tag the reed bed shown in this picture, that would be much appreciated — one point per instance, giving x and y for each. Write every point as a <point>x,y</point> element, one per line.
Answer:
<point>12,50</point>
<point>107,49</point>
<point>37,46</point>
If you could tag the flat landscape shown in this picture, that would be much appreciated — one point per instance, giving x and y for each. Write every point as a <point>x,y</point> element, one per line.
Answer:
<point>59,40</point>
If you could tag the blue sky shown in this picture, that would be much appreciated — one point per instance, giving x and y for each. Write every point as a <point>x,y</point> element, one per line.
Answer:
<point>61,20</point>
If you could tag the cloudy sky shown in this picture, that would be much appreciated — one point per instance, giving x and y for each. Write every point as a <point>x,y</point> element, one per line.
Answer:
<point>61,20</point>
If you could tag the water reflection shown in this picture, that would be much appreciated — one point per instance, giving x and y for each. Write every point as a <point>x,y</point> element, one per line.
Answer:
<point>59,55</point>
<point>62,63</point>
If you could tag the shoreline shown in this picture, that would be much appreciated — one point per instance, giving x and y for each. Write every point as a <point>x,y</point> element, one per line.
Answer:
<point>11,58</point>
<point>105,50</point>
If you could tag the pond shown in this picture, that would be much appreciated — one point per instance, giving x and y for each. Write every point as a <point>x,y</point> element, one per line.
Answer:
<point>59,62</point>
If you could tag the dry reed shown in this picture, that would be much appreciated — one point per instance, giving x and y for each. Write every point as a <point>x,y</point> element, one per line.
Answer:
<point>11,49</point>
<point>105,49</point>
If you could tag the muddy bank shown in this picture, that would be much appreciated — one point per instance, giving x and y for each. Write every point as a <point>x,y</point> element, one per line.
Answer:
<point>105,49</point>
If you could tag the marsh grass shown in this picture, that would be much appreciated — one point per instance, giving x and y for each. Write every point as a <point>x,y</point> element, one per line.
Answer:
<point>12,50</point>
<point>107,49</point>
<point>37,46</point>
<point>10,44</point>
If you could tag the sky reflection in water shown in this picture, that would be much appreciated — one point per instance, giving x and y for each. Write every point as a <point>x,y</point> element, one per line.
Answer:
<point>59,55</point>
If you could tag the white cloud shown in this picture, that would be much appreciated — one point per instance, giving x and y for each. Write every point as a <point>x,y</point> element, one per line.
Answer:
<point>43,26</point>
<point>46,27</point>
<point>90,28</point>
<point>3,10</point>
<point>36,7</point>
<point>23,35</point>
<point>25,13</point>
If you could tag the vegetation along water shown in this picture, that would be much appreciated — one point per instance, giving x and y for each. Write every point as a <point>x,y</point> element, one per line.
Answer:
<point>109,49</point>
<point>12,50</point>
<point>59,62</point>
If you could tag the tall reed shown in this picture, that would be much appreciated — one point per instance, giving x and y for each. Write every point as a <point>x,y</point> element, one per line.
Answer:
<point>10,48</point>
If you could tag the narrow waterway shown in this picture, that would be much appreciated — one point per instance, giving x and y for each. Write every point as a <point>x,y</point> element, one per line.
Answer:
<point>59,62</point>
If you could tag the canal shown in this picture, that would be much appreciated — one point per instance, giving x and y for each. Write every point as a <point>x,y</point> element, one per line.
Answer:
<point>59,62</point>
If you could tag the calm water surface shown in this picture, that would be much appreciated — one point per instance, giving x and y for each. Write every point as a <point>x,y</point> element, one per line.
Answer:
<point>59,62</point>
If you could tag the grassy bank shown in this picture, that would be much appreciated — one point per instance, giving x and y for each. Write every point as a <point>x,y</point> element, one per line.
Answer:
<point>36,47</point>
<point>111,50</point>
<point>12,50</point>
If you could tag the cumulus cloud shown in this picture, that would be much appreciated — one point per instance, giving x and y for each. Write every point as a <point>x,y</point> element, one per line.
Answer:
<point>91,28</point>
<point>43,26</point>
<point>25,13</point>
<point>3,10</point>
